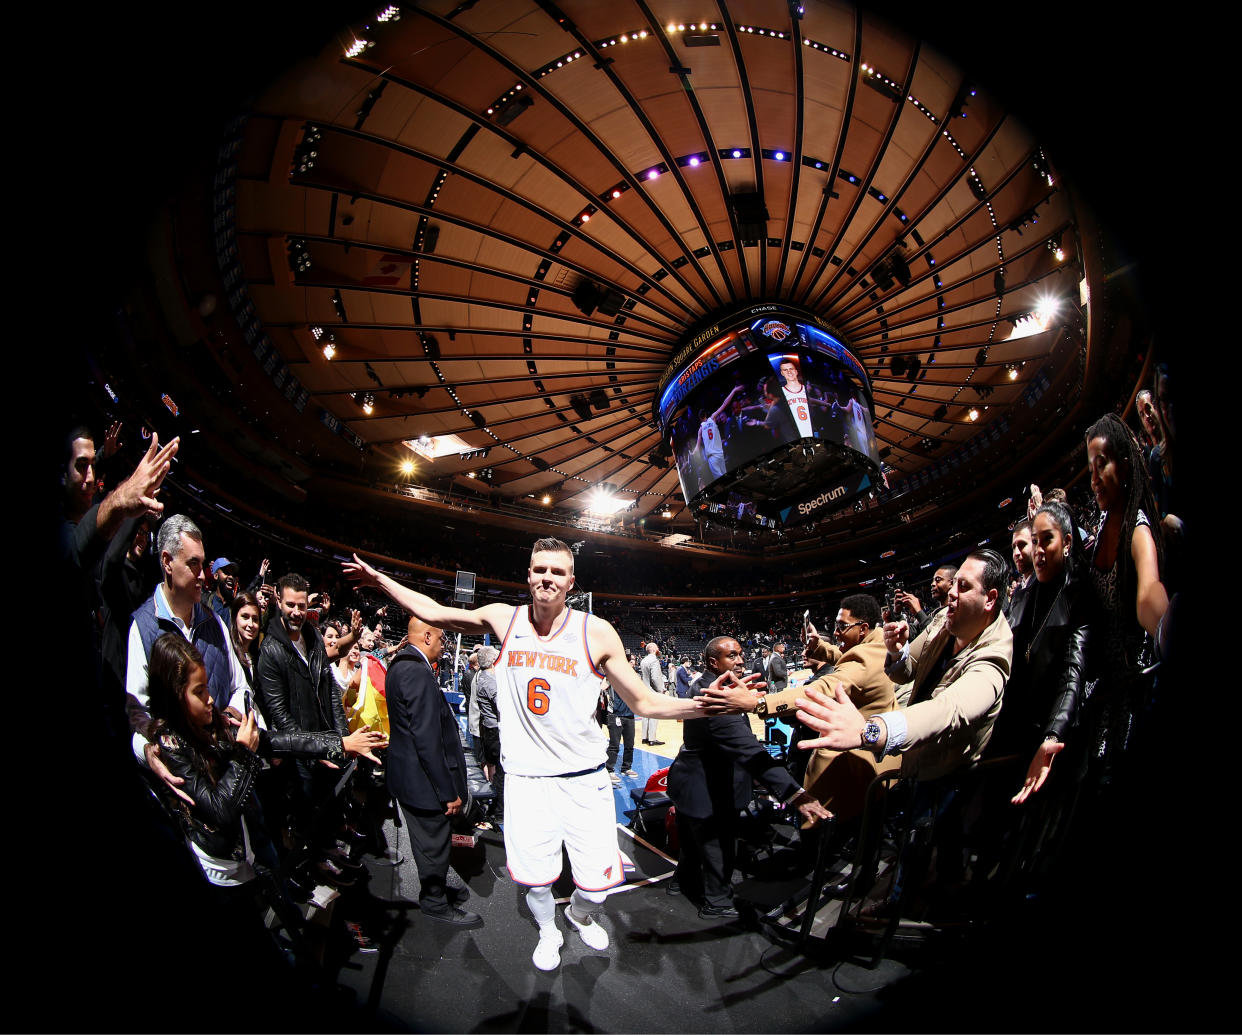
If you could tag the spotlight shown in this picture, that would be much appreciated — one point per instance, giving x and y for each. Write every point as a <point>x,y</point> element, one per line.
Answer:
<point>973,414</point>
<point>329,347</point>
<point>407,467</point>
<point>368,404</point>
<point>1046,309</point>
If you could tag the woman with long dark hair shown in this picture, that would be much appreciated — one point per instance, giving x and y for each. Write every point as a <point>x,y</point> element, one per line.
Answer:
<point>1051,625</point>
<point>244,625</point>
<point>1125,574</point>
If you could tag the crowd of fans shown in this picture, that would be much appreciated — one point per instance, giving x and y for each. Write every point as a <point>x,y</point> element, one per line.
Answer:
<point>239,689</point>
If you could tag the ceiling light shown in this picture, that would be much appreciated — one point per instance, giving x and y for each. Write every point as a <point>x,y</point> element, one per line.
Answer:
<point>973,414</point>
<point>1046,309</point>
<point>602,502</point>
<point>329,348</point>
<point>667,513</point>
<point>546,499</point>
<point>694,160</point>
<point>407,467</point>
<point>653,174</point>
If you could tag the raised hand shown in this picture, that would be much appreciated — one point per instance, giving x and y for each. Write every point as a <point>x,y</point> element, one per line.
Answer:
<point>360,573</point>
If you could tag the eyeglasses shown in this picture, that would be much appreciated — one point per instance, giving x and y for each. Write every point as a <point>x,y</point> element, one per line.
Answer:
<point>842,626</point>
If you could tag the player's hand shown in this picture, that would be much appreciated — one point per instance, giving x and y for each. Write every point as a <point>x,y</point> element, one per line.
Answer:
<point>452,808</point>
<point>728,695</point>
<point>360,573</point>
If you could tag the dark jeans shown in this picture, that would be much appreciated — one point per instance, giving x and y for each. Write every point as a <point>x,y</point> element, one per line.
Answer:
<point>490,737</point>
<point>618,727</point>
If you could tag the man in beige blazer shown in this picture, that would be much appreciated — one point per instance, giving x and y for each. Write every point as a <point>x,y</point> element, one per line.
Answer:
<point>837,779</point>
<point>958,665</point>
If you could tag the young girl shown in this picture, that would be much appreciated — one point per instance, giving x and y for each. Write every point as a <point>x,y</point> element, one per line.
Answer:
<point>225,825</point>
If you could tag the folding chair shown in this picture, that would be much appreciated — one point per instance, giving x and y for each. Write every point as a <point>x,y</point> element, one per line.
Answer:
<point>652,797</point>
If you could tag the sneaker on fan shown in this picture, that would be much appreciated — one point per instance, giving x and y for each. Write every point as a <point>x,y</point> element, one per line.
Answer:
<point>547,954</point>
<point>591,932</point>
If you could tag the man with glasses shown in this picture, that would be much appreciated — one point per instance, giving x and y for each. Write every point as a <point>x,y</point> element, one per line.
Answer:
<point>837,779</point>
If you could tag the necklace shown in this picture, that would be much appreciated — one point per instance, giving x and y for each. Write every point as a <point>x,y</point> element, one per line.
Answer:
<point>1035,636</point>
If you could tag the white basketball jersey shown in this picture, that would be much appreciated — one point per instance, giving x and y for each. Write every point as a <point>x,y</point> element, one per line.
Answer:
<point>801,409</point>
<point>710,434</point>
<point>547,690</point>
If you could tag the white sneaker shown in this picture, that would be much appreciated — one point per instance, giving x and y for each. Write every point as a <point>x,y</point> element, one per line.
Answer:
<point>592,933</point>
<point>547,954</point>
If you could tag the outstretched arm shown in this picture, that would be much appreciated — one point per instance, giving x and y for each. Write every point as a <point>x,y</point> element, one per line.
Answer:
<point>609,656</point>
<point>490,618</point>
<point>724,405</point>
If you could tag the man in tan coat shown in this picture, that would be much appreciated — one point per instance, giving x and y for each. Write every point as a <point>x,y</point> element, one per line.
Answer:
<point>837,779</point>
<point>958,667</point>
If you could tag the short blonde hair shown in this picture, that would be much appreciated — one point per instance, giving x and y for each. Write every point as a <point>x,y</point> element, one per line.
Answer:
<point>552,546</point>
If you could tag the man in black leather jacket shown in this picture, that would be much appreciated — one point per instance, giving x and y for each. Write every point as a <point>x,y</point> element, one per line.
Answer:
<point>297,691</point>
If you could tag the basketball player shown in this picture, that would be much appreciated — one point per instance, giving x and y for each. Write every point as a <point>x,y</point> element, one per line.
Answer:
<point>795,395</point>
<point>557,789</point>
<point>859,430</point>
<point>711,446</point>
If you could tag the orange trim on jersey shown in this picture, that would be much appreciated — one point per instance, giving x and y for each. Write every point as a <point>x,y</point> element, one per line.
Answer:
<point>586,643</point>
<point>504,642</point>
<point>605,887</point>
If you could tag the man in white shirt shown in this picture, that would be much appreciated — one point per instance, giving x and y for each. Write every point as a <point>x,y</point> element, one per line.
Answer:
<point>176,606</point>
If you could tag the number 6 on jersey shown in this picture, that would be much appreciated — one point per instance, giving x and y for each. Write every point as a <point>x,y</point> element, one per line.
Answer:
<point>536,696</point>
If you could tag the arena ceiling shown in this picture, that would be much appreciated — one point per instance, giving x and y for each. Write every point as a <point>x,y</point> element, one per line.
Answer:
<point>426,193</point>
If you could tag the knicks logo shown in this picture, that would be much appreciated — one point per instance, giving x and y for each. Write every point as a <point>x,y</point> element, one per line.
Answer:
<point>776,330</point>
<point>608,873</point>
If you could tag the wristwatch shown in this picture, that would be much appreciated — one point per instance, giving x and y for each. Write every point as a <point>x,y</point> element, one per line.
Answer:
<point>870,734</point>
